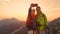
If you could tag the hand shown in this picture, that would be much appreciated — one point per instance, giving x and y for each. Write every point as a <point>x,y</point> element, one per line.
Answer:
<point>34,5</point>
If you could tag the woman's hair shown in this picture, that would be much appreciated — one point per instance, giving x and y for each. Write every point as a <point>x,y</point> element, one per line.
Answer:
<point>29,12</point>
<point>29,17</point>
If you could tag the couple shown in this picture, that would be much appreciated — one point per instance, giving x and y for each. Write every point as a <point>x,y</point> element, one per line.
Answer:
<point>36,20</point>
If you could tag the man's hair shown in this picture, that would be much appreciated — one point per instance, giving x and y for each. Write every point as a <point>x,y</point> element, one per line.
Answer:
<point>38,7</point>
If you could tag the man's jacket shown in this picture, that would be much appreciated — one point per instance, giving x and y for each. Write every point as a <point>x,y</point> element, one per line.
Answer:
<point>41,21</point>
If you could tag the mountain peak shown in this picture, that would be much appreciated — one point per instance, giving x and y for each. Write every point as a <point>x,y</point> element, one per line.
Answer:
<point>55,26</point>
<point>57,19</point>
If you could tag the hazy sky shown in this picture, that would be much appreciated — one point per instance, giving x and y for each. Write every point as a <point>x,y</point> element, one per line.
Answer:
<point>19,8</point>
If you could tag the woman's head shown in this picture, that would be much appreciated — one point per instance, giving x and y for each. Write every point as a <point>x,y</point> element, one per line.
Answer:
<point>32,11</point>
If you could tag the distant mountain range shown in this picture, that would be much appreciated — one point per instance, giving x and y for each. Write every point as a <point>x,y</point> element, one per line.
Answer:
<point>54,26</point>
<point>9,25</point>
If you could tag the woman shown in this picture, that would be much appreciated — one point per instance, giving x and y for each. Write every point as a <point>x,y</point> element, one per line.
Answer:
<point>31,19</point>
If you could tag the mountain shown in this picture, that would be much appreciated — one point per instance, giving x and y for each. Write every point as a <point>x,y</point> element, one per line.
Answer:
<point>54,26</point>
<point>9,25</point>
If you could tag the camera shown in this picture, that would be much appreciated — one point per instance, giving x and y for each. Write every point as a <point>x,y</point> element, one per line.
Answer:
<point>34,5</point>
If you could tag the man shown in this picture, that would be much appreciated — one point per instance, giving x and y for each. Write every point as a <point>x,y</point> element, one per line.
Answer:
<point>41,21</point>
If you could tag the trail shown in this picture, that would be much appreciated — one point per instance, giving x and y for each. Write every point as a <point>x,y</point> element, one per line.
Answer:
<point>17,30</point>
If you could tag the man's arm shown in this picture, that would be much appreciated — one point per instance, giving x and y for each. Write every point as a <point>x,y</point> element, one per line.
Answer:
<point>45,19</point>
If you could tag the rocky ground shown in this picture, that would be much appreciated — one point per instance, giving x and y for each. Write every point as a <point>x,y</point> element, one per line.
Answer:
<point>13,26</point>
<point>54,26</point>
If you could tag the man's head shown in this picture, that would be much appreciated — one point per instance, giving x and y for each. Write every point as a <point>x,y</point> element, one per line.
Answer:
<point>38,9</point>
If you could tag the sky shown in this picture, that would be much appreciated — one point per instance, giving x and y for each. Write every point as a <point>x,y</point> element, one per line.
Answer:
<point>19,8</point>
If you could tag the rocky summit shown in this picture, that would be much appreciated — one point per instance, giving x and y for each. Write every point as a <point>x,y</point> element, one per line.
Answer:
<point>54,26</point>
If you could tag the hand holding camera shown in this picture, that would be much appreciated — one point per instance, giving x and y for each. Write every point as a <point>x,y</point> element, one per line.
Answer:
<point>33,6</point>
